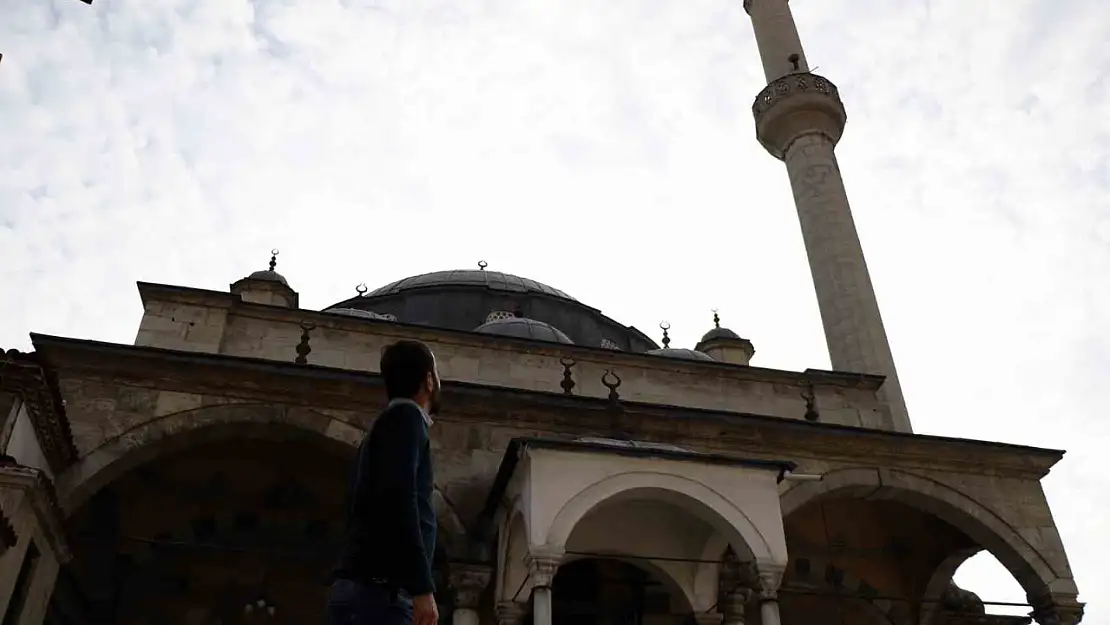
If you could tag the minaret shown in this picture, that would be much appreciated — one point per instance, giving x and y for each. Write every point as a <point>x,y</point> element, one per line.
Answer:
<point>799,119</point>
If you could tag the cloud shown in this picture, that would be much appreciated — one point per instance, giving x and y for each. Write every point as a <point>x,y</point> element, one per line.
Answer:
<point>607,149</point>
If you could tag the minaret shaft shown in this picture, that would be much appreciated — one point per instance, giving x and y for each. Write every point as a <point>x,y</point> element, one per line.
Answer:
<point>850,314</point>
<point>777,37</point>
<point>799,118</point>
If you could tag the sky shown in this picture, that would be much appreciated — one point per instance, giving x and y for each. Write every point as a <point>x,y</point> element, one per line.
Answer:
<point>606,149</point>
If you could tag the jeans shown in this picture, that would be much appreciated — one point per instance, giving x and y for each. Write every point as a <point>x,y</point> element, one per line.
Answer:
<point>354,603</point>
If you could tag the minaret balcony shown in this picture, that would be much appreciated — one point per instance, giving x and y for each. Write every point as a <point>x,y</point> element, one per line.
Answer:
<point>795,105</point>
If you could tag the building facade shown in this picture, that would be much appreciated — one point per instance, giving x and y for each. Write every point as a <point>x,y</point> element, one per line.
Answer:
<point>585,473</point>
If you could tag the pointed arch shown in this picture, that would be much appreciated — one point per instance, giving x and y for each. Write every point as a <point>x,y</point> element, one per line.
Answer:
<point>978,522</point>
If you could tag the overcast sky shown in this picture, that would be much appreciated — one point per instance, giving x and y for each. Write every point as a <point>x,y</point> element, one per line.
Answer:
<point>605,148</point>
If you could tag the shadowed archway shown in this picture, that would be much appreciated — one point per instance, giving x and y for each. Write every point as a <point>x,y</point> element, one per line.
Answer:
<point>200,522</point>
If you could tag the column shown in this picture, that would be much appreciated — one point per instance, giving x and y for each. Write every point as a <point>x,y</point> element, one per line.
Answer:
<point>468,581</point>
<point>542,567</point>
<point>735,605</point>
<point>780,48</point>
<point>769,579</point>
<point>510,613</point>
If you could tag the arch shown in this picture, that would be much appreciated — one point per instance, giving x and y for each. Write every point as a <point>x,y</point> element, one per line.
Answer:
<point>975,520</point>
<point>164,435</point>
<point>709,505</point>
<point>939,582</point>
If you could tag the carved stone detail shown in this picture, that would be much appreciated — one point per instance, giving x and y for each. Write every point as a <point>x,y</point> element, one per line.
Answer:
<point>469,581</point>
<point>795,105</point>
<point>735,603</point>
<point>770,578</point>
<point>542,566</point>
<point>1056,610</point>
<point>25,376</point>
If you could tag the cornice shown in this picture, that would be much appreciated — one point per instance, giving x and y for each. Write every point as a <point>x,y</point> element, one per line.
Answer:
<point>44,502</point>
<point>24,375</point>
<point>556,414</point>
<point>150,292</point>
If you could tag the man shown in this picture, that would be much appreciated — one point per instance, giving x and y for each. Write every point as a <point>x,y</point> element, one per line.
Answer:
<point>384,576</point>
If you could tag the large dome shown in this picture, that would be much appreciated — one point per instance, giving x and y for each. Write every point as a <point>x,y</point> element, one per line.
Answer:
<point>464,299</point>
<point>494,280</point>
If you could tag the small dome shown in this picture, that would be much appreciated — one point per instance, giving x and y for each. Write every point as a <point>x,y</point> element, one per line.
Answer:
<point>268,275</point>
<point>524,328</point>
<point>362,314</point>
<point>684,354</point>
<point>720,333</point>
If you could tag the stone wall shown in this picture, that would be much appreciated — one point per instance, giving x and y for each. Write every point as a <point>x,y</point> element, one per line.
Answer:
<point>217,323</point>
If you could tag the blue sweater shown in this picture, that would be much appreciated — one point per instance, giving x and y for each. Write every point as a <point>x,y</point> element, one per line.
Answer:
<point>391,525</point>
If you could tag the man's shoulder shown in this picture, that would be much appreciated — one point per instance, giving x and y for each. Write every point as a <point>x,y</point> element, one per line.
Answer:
<point>401,411</point>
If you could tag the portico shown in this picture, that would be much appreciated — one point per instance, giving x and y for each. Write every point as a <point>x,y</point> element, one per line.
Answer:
<point>560,502</point>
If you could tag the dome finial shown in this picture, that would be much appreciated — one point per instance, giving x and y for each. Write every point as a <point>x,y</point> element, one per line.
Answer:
<point>361,289</point>
<point>482,265</point>
<point>716,319</point>
<point>664,326</point>
<point>273,258</point>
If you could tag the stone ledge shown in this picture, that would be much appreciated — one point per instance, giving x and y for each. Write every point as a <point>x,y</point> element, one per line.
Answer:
<point>330,388</point>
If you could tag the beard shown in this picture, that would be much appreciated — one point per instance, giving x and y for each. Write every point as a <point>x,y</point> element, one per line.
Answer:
<point>434,401</point>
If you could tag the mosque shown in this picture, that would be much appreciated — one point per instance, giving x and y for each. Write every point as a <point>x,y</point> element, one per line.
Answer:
<point>586,474</point>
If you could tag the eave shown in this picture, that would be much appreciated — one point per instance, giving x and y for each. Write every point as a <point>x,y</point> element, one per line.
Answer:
<point>754,435</point>
<point>37,385</point>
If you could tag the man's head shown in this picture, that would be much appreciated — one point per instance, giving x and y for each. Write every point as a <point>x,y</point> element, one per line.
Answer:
<point>409,369</point>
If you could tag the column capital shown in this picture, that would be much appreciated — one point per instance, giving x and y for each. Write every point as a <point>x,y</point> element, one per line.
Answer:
<point>770,578</point>
<point>1054,609</point>
<point>542,566</point>
<point>469,581</point>
<point>510,613</point>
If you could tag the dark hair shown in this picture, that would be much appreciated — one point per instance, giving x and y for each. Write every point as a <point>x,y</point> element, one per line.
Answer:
<point>405,366</point>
